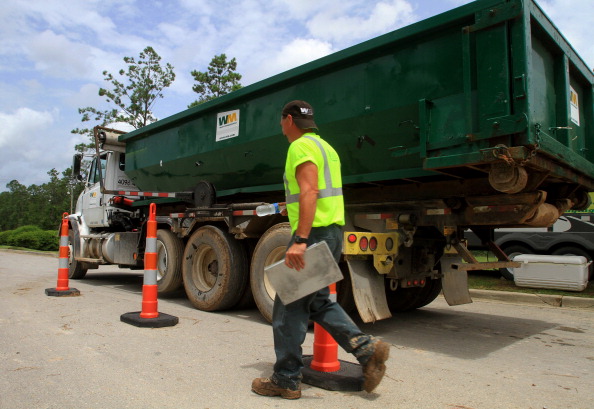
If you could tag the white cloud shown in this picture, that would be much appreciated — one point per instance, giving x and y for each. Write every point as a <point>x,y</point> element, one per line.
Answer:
<point>22,126</point>
<point>26,152</point>
<point>59,15</point>
<point>299,52</point>
<point>574,20</point>
<point>333,24</point>
<point>87,95</point>
<point>303,9</point>
<point>58,56</point>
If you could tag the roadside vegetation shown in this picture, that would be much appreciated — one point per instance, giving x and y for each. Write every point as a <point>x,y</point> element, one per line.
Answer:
<point>30,238</point>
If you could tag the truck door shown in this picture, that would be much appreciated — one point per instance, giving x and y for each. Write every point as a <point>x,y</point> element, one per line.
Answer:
<point>92,201</point>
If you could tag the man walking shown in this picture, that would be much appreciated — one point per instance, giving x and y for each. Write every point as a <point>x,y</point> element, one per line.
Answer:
<point>315,207</point>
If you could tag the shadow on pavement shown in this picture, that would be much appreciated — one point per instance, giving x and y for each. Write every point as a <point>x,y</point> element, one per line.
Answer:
<point>462,334</point>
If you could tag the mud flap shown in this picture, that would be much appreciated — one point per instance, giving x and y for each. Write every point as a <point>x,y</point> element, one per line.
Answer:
<point>368,291</point>
<point>454,282</point>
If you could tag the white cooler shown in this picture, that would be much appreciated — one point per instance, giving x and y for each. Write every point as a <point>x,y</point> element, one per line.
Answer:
<point>568,273</point>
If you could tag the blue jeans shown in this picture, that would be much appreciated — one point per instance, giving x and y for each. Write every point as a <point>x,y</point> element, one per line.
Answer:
<point>290,322</point>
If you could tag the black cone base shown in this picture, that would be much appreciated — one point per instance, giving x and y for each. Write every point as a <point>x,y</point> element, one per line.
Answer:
<point>163,320</point>
<point>348,378</point>
<point>52,292</point>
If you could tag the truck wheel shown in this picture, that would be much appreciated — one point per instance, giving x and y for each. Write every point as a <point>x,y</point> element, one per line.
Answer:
<point>344,290</point>
<point>575,251</point>
<point>170,250</point>
<point>76,269</point>
<point>428,293</point>
<point>270,248</point>
<point>407,299</point>
<point>401,299</point>
<point>246,301</point>
<point>512,251</point>
<point>214,269</point>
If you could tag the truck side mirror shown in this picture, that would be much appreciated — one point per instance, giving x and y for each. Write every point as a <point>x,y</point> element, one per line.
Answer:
<point>76,161</point>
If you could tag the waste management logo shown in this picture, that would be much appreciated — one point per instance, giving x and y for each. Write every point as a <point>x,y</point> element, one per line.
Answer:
<point>575,106</point>
<point>227,125</point>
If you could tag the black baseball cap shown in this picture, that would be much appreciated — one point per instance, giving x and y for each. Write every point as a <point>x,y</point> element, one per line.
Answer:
<point>302,113</point>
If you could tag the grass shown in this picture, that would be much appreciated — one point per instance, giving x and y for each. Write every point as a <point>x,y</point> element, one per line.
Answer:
<point>26,249</point>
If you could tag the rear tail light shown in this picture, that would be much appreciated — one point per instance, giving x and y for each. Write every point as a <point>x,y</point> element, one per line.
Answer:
<point>373,244</point>
<point>363,243</point>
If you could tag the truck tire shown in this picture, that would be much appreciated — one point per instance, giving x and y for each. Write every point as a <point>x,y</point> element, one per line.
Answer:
<point>214,269</point>
<point>575,251</point>
<point>428,293</point>
<point>401,299</point>
<point>512,251</point>
<point>170,250</point>
<point>76,269</point>
<point>246,301</point>
<point>344,290</point>
<point>270,248</point>
<point>407,299</point>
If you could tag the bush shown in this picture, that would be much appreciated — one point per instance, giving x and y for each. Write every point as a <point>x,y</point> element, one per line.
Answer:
<point>49,240</point>
<point>4,237</point>
<point>25,229</point>
<point>31,237</point>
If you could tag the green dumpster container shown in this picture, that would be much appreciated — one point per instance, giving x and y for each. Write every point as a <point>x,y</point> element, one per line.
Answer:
<point>483,99</point>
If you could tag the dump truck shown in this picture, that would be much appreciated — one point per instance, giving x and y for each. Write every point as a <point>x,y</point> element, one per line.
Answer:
<point>477,118</point>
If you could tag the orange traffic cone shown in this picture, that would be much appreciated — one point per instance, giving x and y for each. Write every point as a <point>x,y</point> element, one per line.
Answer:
<point>324,369</point>
<point>62,289</point>
<point>325,348</point>
<point>150,316</point>
<point>149,288</point>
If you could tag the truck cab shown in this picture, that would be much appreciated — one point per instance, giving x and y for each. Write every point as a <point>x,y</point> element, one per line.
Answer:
<point>105,225</point>
<point>106,176</point>
<point>107,172</point>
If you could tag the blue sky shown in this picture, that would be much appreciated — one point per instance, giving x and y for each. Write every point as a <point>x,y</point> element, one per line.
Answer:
<point>53,53</point>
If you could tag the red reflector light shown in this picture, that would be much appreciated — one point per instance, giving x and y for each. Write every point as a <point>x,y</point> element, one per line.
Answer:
<point>373,244</point>
<point>363,243</point>
<point>352,238</point>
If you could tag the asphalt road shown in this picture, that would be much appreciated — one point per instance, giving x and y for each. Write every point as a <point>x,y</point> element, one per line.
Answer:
<point>74,352</point>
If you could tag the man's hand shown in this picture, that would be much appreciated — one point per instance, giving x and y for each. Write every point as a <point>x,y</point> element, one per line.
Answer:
<point>294,256</point>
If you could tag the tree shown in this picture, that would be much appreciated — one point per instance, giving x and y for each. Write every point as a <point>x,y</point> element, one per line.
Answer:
<point>13,206</point>
<point>134,96</point>
<point>220,79</point>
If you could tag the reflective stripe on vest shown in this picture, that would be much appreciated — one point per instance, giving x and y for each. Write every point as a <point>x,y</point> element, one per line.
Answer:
<point>329,191</point>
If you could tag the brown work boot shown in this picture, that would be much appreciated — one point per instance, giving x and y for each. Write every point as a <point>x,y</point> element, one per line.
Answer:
<point>374,369</point>
<point>266,387</point>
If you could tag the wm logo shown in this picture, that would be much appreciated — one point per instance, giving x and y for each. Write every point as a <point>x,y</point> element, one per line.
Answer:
<point>228,119</point>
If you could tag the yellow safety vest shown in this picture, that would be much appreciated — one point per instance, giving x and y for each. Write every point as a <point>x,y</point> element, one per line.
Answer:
<point>330,204</point>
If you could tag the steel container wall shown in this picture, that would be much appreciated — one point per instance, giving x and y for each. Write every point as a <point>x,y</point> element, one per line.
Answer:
<point>439,100</point>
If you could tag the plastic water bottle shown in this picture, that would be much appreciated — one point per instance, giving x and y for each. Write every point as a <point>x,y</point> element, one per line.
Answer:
<point>267,209</point>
